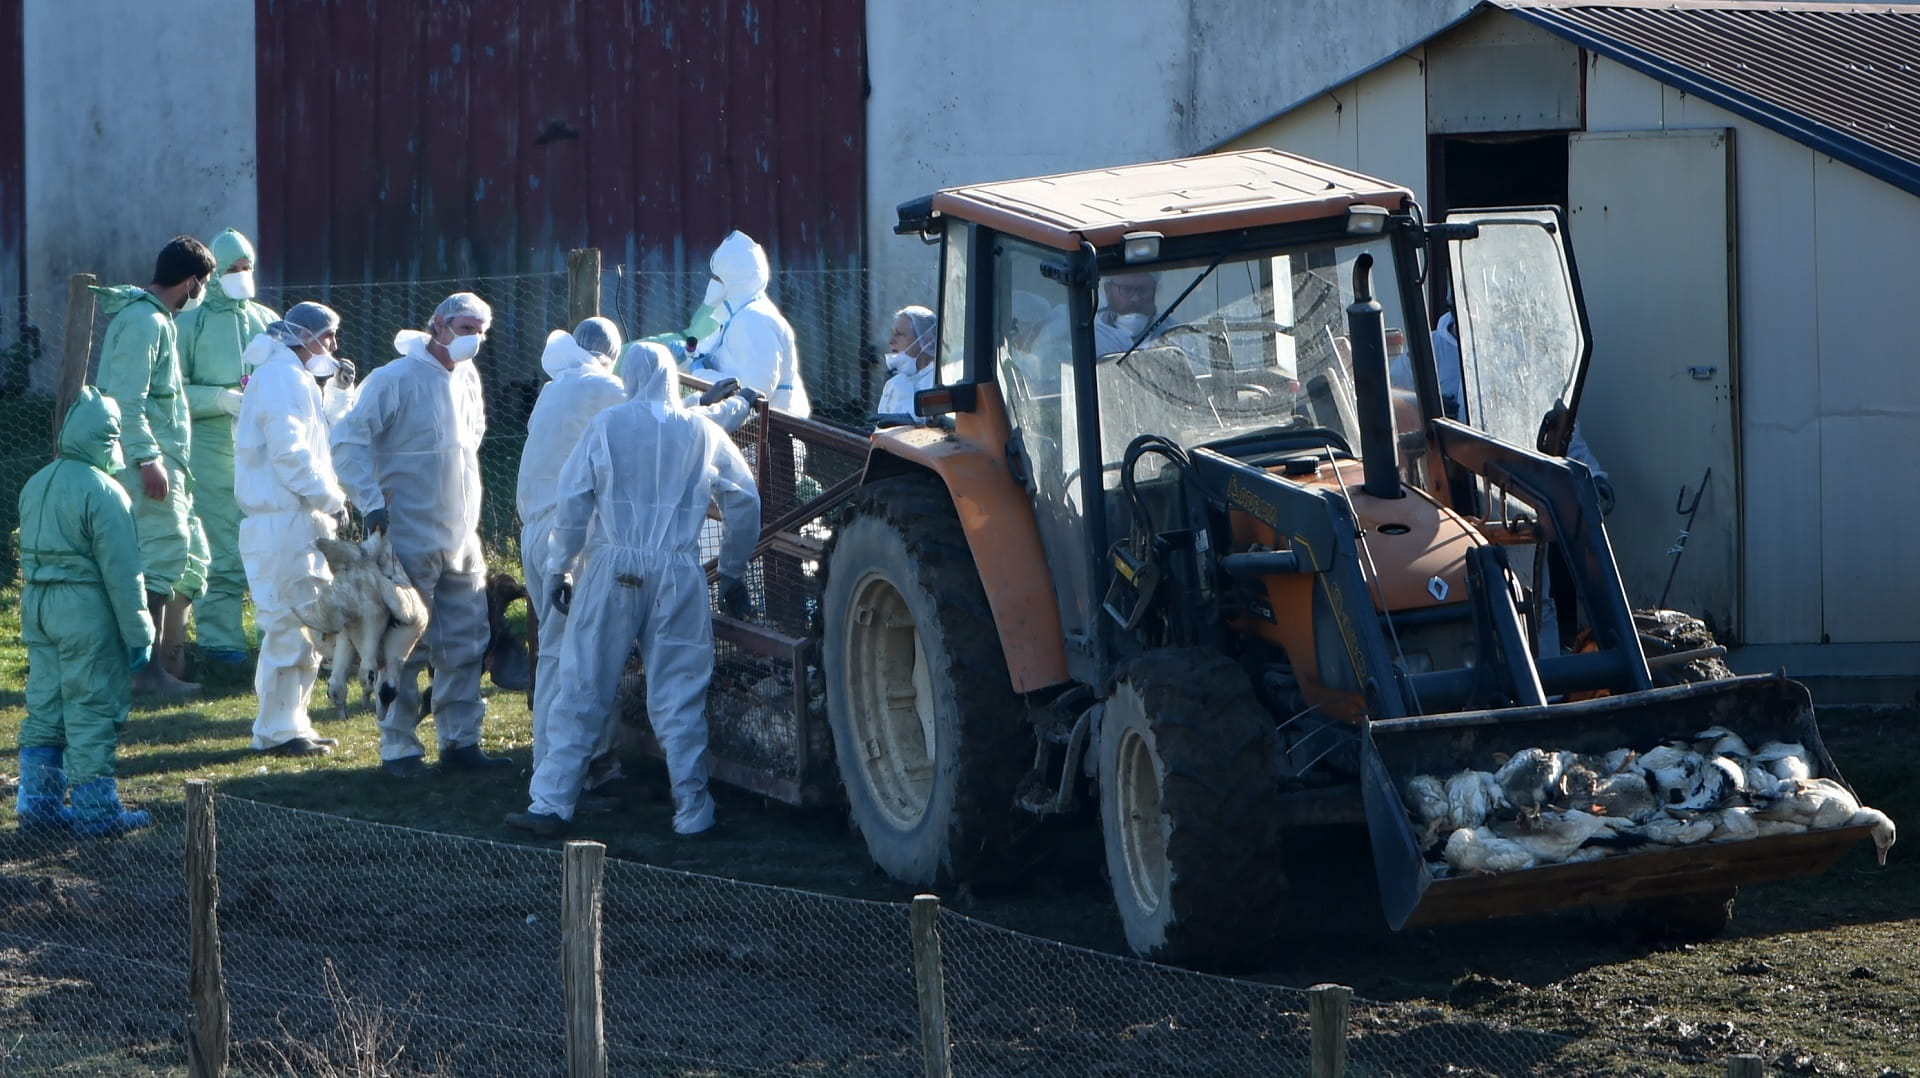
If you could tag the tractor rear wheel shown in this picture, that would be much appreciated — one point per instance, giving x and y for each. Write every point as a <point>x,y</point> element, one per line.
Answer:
<point>1189,810</point>
<point>931,739</point>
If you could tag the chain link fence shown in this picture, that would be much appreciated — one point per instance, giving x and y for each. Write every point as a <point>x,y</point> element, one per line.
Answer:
<point>357,948</point>
<point>839,344</point>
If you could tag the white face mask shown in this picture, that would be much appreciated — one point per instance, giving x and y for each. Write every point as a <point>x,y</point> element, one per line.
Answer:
<point>238,285</point>
<point>1132,325</point>
<point>320,365</point>
<point>198,298</point>
<point>900,362</point>
<point>716,291</point>
<point>463,348</point>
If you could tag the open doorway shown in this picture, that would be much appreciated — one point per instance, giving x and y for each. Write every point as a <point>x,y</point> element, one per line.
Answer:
<point>1473,171</point>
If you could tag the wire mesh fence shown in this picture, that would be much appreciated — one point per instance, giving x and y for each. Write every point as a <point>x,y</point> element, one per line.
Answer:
<point>828,311</point>
<point>357,948</point>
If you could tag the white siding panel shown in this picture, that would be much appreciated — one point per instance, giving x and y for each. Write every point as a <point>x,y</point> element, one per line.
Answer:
<point>1648,219</point>
<point>1869,404</point>
<point>1393,125</point>
<point>1621,99</point>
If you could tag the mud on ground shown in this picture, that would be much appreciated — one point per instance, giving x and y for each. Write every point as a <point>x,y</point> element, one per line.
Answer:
<point>1815,976</point>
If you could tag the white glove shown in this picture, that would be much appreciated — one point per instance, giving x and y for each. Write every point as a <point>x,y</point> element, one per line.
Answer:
<point>229,401</point>
<point>333,501</point>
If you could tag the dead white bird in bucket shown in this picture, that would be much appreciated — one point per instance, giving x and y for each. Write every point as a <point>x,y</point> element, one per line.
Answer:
<point>373,615</point>
<point>1822,803</point>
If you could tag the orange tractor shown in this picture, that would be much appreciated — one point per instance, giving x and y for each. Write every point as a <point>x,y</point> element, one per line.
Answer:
<point>1184,536</point>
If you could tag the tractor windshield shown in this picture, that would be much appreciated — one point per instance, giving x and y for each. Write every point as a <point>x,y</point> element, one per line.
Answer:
<point>1258,343</point>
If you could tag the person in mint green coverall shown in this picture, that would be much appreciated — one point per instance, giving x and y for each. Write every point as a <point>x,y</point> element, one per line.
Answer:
<point>212,338</point>
<point>140,370</point>
<point>83,615</point>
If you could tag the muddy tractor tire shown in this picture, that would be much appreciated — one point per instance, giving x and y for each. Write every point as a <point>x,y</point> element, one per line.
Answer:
<point>1189,810</point>
<point>930,738</point>
<point>1670,632</point>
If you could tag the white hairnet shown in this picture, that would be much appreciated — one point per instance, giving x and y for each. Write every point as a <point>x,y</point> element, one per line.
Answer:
<point>650,375</point>
<point>599,336</point>
<point>1030,308</point>
<point>923,323</point>
<point>463,305</point>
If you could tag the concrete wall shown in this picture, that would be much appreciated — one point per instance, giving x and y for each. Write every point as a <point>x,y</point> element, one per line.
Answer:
<point>140,126</point>
<point>1075,84</point>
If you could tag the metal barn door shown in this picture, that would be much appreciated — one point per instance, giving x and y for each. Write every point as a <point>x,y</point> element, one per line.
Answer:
<point>1651,220</point>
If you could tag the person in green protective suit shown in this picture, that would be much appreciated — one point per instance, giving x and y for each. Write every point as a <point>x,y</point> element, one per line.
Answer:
<point>212,338</point>
<point>140,370</point>
<point>84,618</point>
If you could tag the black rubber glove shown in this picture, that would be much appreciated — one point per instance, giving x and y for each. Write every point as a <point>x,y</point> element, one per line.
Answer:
<point>1603,487</point>
<point>724,388</point>
<point>375,521</point>
<point>751,395</point>
<point>734,600</point>
<point>891,419</point>
<point>562,597</point>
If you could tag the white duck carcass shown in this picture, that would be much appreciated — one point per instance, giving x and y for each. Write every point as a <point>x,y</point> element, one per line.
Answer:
<point>1528,777</point>
<point>1426,798</point>
<point>373,615</point>
<point>1476,851</point>
<point>1718,740</point>
<point>1733,824</point>
<point>1786,759</point>
<point>1674,831</point>
<point>1883,830</point>
<point>1815,804</point>
<point>1472,797</point>
<point>1552,837</point>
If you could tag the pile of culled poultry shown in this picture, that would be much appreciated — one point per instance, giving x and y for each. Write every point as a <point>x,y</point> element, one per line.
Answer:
<point>1544,807</point>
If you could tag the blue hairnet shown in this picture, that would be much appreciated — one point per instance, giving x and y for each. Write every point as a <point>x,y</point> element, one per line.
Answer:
<point>599,336</point>
<point>315,318</point>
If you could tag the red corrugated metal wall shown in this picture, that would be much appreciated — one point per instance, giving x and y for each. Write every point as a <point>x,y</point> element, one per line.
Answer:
<point>404,139</point>
<point>13,156</point>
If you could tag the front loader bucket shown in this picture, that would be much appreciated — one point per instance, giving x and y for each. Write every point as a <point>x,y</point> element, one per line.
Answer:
<point>1760,708</point>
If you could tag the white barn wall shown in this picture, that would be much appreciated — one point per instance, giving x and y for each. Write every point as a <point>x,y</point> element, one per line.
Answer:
<point>139,127</point>
<point>1821,259</point>
<point>1376,124</point>
<point>1869,404</point>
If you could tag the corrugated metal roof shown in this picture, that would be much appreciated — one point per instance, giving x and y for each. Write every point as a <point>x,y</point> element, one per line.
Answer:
<point>1841,78</point>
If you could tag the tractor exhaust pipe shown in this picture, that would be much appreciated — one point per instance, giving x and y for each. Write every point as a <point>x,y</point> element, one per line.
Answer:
<point>1373,392</point>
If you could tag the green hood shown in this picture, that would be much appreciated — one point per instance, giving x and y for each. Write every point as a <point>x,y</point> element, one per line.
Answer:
<point>230,247</point>
<point>116,298</point>
<point>91,433</point>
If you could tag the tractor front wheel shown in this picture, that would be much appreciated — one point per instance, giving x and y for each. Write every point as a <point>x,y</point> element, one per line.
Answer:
<point>1189,810</point>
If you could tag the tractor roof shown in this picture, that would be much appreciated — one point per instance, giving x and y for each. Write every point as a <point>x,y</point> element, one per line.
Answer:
<point>1185,197</point>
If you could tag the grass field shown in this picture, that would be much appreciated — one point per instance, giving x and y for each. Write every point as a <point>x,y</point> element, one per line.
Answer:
<point>1816,976</point>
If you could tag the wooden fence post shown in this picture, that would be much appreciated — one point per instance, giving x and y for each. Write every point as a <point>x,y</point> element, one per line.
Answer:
<point>580,959</point>
<point>583,285</point>
<point>930,981</point>
<point>1327,1009</point>
<point>1744,1067</point>
<point>207,1040</point>
<point>75,349</point>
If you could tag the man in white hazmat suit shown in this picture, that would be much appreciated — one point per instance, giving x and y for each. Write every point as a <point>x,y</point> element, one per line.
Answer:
<point>643,477</point>
<point>754,342</point>
<point>408,453</point>
<point>581,366</point>
<point>284,484</point>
